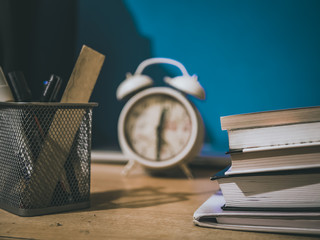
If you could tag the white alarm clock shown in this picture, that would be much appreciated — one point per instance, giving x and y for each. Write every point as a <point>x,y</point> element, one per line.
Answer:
<point>159,127</point>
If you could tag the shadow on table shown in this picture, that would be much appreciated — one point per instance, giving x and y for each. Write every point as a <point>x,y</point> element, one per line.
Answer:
<point>135,198</point>
<point>197,171</point>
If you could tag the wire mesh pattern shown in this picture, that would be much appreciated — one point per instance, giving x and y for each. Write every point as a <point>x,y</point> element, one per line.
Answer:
<point>44,157</point>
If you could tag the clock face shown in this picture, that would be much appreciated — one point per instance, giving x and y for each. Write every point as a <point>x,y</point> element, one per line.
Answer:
<point>158,127</point>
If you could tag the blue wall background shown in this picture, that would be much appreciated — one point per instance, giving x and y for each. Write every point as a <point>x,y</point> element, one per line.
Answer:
<point>249,55</point>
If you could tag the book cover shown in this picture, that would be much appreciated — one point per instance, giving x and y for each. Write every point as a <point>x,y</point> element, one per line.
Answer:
<point>210,214</point>
<point>271,118</point>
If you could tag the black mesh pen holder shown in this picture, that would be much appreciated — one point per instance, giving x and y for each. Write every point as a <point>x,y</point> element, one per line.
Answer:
<point>45,158</point>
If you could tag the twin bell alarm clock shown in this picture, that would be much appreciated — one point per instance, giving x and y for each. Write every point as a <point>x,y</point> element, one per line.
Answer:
<point>159,127</point>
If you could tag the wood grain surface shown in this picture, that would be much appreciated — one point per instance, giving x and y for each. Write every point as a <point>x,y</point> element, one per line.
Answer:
<point>133,207</point>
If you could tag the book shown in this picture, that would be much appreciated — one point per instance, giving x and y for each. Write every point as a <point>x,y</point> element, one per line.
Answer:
<point>297,190</point>
<point>294,127</point>
<point>210,214</point>
<point>303,134</point>
<point>273,184</point>
<point>275,159</point>
<point>271,118</point>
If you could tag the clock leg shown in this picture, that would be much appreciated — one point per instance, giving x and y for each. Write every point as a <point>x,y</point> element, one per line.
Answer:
<point>186,171</point>
<point>129,166</point>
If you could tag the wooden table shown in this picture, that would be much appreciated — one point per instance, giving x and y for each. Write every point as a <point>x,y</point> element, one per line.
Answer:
<point>135,207</point>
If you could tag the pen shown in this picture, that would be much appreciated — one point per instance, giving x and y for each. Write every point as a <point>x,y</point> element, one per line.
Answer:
<point>19,86</point>
<point>51,89</point>
<point>50,94</point>
<point>66,189</point>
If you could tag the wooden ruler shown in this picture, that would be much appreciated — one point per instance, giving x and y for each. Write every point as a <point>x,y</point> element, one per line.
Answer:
<point>83,77</point>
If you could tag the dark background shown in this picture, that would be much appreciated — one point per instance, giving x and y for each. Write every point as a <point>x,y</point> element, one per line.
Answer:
<point>249,55</point>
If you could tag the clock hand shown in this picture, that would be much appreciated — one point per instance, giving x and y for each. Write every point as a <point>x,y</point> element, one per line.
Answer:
<point>159,133</point>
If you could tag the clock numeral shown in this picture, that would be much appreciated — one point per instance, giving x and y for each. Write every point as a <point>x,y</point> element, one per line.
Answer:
<point>144,105</point>
<point>182,142</point>
<point>135,114</point>
<point>170,125</point>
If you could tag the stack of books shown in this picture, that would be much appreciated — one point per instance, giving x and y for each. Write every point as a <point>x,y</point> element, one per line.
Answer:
<point>273,184</point>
